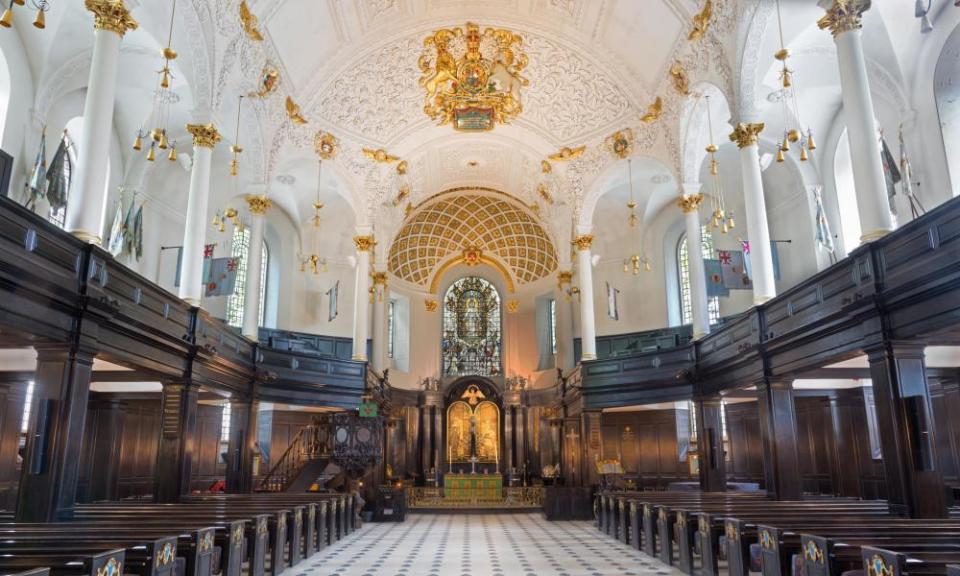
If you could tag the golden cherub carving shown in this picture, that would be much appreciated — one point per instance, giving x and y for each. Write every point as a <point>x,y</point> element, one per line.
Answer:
<point>680,80</point>
<point>566,153</point>
<point>701,22</point>
<point>380,156</point>
<point>654,111</point>
<point>250,23</point>
<point>293,112</point>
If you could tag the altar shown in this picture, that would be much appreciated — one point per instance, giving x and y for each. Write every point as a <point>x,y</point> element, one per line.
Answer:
<point>473,487</point>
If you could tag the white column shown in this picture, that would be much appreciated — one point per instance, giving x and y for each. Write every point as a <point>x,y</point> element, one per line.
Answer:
<point>381,295</point>
<point>361,301</point>
<point>564,321</point>
<point>690,204</point>
<point>205,137</point>
<point>87,203</point>
<point>588,325</point>
<point>761,256</point>
<point>259,204</point>
<point>844,22</point>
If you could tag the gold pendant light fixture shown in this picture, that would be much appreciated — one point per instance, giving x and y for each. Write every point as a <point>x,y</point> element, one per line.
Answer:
<point>162,98</point>
<point>236,149</point>
<point>231,214</point>
<point>314,261</point>
<point>720,217</point>
<point>40,21</point>
<point>793,132</point>
<point>637,260</point>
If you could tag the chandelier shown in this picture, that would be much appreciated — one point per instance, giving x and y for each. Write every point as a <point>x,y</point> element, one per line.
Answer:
<point>162,98</point>
<point>720,217</point>
<point>792,132</point>
<point>41,6</point>
<point>473,80</point>
<point>636,260</point>
<point>325,146</point>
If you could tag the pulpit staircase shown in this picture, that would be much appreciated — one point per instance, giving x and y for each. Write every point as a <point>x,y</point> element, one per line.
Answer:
<point>302,462</point>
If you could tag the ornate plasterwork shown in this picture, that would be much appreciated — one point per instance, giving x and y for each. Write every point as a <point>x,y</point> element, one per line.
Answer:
<point>457,220</point>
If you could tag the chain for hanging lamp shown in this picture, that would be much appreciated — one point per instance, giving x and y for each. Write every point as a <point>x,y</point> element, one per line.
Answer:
<point>162,99</point>
<point>720,217</point>
<point>236,149</point>
<point>636,261</point>
<point>314,261</point>
<point>793,133</point>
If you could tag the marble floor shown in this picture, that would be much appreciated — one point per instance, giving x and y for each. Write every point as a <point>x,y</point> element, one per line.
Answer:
<point>480,545</point>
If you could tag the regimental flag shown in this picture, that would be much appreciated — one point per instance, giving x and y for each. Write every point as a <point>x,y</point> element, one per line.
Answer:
<point>115,245</point>
<point>37,184</point>
<point>128,227</point>
<point>824,235</point>
<point>138,233</point>
<point>221,276</point>
<point>891,174</point>
<point>207,258</point>
<point>732,270</point>
<point>613,311</point>
<point>58,183</point>
<point>714,274</point>
<point>774,255</point>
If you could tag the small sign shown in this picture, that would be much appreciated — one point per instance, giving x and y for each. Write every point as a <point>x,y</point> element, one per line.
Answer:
<point>473,119</point>
<point>368,410</point>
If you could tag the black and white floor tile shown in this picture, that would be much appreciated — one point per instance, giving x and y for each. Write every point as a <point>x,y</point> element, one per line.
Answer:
<point>480,545</point>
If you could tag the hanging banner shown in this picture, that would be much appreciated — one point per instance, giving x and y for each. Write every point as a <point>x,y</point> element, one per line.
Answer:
<point>714,274</point>
<point>733,271</point>
<point>221,277</point>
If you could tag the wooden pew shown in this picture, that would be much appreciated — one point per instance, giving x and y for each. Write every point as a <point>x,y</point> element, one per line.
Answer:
<point>101,563</point>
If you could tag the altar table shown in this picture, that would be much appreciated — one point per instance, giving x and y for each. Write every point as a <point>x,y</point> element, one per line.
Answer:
<point>473,486</point>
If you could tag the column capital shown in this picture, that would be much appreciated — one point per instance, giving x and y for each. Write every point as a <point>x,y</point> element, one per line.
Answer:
<point>364,243</point>
<point>111,15</point>
<point>746,134</point>
<point>564,277</point>
<point>204,135</point>
<point>690,202</point>
<point>583,242</point>
<point>844,16</point>
<point>258,203</point>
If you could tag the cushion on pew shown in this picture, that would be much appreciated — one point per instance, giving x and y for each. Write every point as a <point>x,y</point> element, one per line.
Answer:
<point>797,566</point>
<point>756,558</point>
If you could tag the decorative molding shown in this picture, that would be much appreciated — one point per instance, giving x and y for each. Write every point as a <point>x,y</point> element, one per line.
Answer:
<point>111,15</point>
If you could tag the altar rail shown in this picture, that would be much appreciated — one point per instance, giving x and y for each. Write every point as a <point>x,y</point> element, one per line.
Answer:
<point>56,290</point>
<point>515,497</point>
<point>905,286</point>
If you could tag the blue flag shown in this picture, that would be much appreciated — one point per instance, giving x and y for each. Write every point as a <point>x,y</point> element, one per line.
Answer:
<point>714,274</point>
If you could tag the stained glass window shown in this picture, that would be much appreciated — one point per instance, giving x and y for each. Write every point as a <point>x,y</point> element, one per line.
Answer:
<point>683,265</point>
<point>471,329</point>
<point>239,249</point>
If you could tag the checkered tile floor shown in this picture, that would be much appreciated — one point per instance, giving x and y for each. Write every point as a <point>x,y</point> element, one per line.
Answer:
<point>480,545</point>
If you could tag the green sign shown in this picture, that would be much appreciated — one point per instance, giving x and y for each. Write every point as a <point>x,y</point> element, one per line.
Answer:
<point>368,410</point>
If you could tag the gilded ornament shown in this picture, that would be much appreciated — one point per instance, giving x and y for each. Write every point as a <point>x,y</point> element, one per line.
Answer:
<point>204,135</point>
<point>564,277</point>
<point>269,80</point>
<point>513,306</point>
<point>546,167</point>
<point>250,23</point>
<point>701,22</point>
<point>364,243</point>
<point>380,156</point>
<point>746,134</point>
<point>681,82</point>
<point>690,203</point>
<point>379,278</point>
<point>544,193</point>
<point>844,16</point>
<point>430,304</point>
<point>293,112</point>
<point>111,15</point>
<point>654,111</point>
<point>402,167</point>
<point>472,80</point>
<point>565,154</point>
<point>325,145</point>
<point>583,242</point>
<point>812,552</point>
<point>258,203</point>
<point>112,567</point>
<point>876,566</point>
<point>621,142</point>
<point>472,256</point>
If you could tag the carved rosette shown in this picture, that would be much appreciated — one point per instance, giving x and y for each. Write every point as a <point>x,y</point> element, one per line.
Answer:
<point>746,134</point>
<point>364,243</point>
<point>259,204</point>
<point>844,16</point>
<point>564,277</point>
<point>326,145</point>
<point>583,242</point>
<point>111,15</point>
<point>690,203</point>
<point>204,135</point>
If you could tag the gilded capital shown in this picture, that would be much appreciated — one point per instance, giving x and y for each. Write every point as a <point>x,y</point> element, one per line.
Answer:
<point>204,135</point>
<point>583,242</point>
<point>690,202</point>
<point>844,16</point>
<point>379,278</point>
<point>564,277</point>
<point>364,243</point>
<point>746,134</point>
<point>111,15</point>
<point>259,204</point>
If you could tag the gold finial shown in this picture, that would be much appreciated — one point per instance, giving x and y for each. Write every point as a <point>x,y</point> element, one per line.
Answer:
<point>844,16</point>
<point>654,111</point>
<point>746,134</point>
<point>701,22</point>
<point>258,203</point>
<point>565,153</point>
<point>325,145</point>
<point>364,243</point>
<point>621,142</point>
<point>583,242</point>
<point>111,15</point>
<point>690,203</point>
<point>380,156</point>
<point>564,277</point>
<point>204,135</point>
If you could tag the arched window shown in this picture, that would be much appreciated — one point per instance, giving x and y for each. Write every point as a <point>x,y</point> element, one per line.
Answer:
<point>240,249</point>
<point>471,329</point>
<point>683,267</point>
